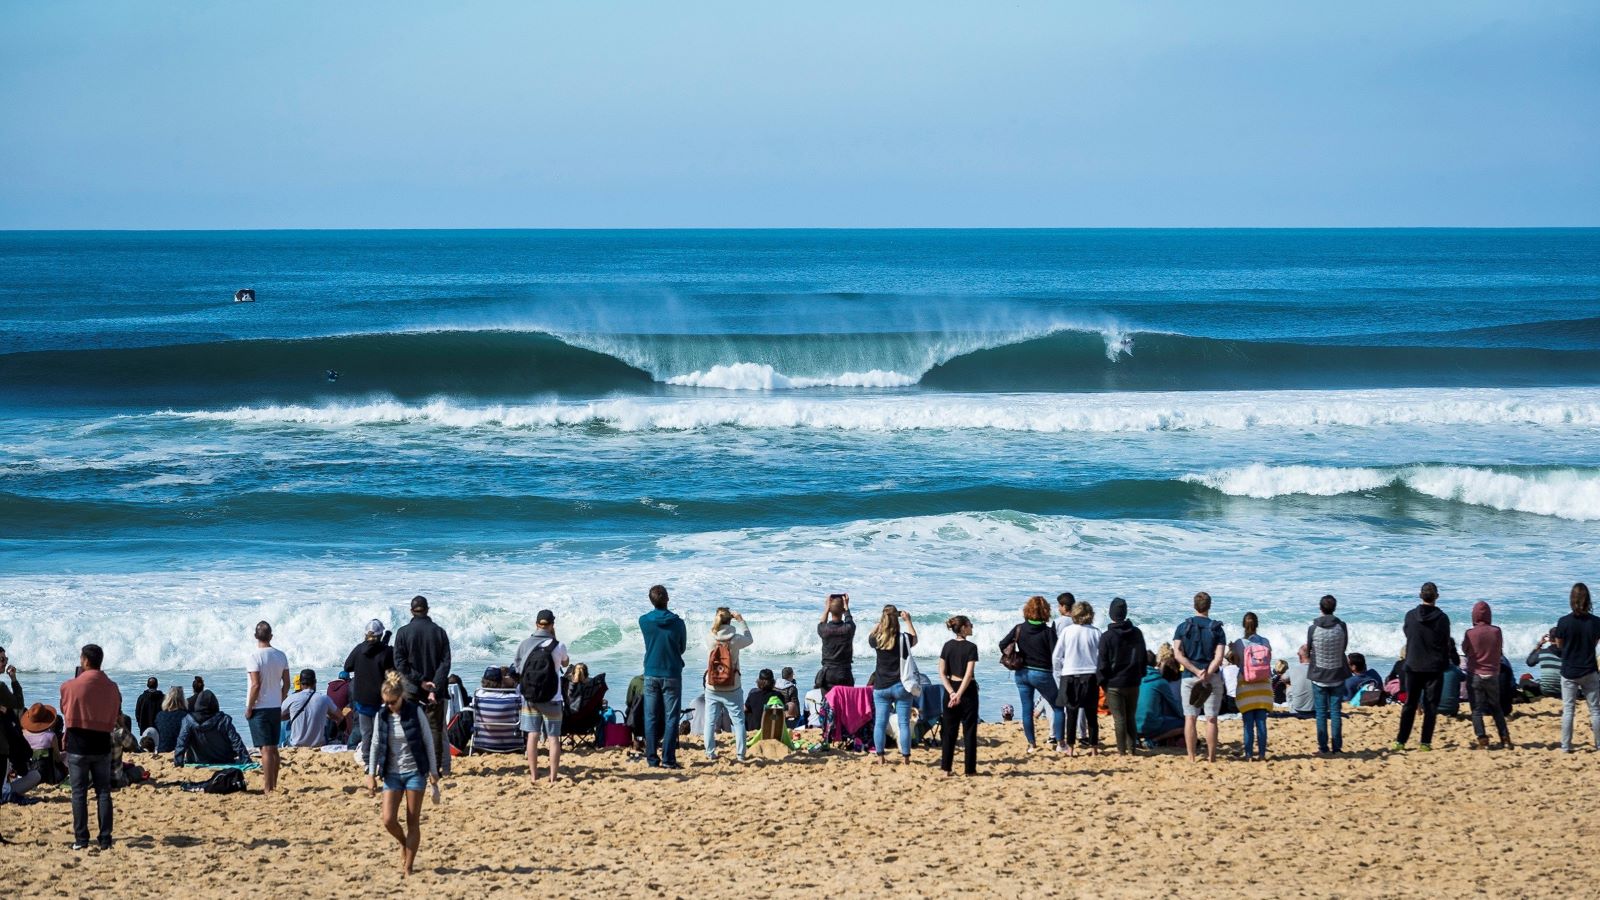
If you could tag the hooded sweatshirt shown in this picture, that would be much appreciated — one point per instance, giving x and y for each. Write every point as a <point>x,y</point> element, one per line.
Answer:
<point>1036,641</point>
<point>1078,651</point>
<point>1428,644</point>
<point>665,639</point>
<point>422,653</point>
<point>1158,711</point>
<point>736,635</point>
<point>208,736</point>
<point>1122,651</point>
<point>367,664</point>
<point>1328,638</point>
<point>1481,645</point>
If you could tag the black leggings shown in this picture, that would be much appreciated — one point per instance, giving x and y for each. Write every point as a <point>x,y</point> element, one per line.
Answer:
<point>1421,688</point>
<point>1081,692</point>
<point>965,716</point>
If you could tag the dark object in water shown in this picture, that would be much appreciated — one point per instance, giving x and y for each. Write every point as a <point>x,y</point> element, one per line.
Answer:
<point>244,295</point>
<point>333,375</point>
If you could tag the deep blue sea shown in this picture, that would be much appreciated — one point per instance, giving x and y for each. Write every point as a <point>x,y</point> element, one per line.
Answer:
<point>945,420</point>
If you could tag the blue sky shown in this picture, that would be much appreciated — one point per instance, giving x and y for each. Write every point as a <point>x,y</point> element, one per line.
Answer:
<point>490,114</point>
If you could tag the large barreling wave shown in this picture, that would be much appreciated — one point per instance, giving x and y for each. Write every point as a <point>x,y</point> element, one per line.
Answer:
<point>501,364</point>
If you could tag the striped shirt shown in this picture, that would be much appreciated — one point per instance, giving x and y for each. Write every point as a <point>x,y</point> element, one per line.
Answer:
<point>1252,695</point>
<point>494,720</point>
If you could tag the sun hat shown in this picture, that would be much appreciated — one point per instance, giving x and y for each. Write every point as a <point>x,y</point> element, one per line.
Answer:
<point>38,719</point>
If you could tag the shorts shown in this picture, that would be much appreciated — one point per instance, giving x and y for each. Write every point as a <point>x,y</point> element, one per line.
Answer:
<point>266,727</point>
<point>541,719</point>
<point>405,781</point>
<point>1213,705</point>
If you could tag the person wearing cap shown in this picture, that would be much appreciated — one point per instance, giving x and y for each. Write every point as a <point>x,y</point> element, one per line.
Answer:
<point>422,657</point>
<point>495,708</point>
<point>542,656</point>
<point>371,659</point>
<point>306,713</point>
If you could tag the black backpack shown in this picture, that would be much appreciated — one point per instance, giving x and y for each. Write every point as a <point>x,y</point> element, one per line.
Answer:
<point>539,677</point>
<point>222,781</point>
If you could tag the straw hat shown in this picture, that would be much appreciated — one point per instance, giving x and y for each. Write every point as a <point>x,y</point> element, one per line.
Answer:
<point>38,719</point>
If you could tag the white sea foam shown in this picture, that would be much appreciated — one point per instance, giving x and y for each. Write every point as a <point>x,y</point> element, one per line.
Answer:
<point>1043,413</point>
<point>1563,493</point>
<point>761,377</point>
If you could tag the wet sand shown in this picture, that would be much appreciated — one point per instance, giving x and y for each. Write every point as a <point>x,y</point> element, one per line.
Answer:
<point>1454,821</point>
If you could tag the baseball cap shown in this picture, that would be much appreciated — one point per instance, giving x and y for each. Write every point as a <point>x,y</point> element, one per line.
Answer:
<point>375,627</point>
<point>545,615</point>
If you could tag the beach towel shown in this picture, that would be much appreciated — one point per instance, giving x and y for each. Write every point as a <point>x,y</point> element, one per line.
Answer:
<point>243,767</point>
<point>852,709</point>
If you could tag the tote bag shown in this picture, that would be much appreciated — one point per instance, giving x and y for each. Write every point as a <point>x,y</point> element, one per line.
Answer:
<point>910,678</point>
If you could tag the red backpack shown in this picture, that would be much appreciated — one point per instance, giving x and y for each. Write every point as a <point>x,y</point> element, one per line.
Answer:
<point>720,673</point>
<point>1256,666</point>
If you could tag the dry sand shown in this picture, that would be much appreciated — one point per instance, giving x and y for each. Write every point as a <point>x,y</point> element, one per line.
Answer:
<point>1451,822</point>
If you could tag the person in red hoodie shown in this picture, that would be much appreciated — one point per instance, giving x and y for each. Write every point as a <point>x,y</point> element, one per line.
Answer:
<point>1481,649</point>
<point>90,707</point>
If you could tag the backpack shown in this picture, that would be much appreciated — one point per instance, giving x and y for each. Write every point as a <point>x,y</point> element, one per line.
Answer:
<point>720,673</point>
<point>222,781</point>
<point>1195,636</point>
<point>539,678</point>
<point>459,732</point>
<point>1256,666</point>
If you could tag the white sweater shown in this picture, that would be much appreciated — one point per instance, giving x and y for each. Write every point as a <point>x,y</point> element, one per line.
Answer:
<point>1077,650</point>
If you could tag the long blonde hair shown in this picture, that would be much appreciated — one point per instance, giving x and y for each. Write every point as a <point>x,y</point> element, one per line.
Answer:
<point>723,617</point>
<point>887,635</point>
<point>174,701</point>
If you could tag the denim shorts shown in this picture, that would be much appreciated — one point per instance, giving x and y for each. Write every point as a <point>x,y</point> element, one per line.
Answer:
<point>541,719</point>
<point>405,781</point>
<point>266,727</point>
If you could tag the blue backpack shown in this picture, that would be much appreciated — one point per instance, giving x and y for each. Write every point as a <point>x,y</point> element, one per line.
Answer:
<point>1199,638</point>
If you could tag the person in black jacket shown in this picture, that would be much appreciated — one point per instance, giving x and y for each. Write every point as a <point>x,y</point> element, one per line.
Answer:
<point>1429,652</point>
<point>371,659</point>
<point>838,632</point>
<point>149,703</point>
<point>208,736</point>
<point>1035,642</point>
<point>422,656</point>
<point>1122,663</point>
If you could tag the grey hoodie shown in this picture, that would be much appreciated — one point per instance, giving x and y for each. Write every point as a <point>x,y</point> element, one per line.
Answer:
<point>1328,639</point>
<point>737,636</point>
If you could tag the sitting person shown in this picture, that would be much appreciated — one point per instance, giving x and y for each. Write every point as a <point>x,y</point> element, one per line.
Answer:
<point>208,736</point>
<point>307,714</point>
<point>1360,676</point>
<point>786,685</point>
<point>169,721</point>
<point>1158,717</point>
<point>1280,687</point>
<point>42,729</point>
<point>755,703</point>
<point>495,706</point>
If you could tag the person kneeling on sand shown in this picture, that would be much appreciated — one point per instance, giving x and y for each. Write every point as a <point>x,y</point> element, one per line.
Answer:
<point>208,736</point>
<point>1159,717</point>
<point>405,756</point>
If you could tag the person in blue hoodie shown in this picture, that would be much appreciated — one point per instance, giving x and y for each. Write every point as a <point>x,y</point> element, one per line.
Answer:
<point>665,639</point>
<point>1159,717</point>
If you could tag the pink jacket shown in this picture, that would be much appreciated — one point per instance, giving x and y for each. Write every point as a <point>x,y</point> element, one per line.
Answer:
<point>91,702</point>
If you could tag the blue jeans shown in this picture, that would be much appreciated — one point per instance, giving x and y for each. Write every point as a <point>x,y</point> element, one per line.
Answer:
<point>663,706</point>
<point>1028,681</point>
<point>1325,702</point>
<point>83,772</point>
<point>1255,732</point>
<point>881,699</point>
<point>733,702</point>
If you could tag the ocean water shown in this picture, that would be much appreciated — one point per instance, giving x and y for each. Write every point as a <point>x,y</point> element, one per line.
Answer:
<point>949,421</point>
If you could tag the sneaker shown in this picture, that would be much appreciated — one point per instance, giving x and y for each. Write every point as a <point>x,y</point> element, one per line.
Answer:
<point>671,765</point>
<point>105,843</point>
<point>1397,747</point>
<point>1425,747</point>
<point>1483,742</point>
<point>80,845</point>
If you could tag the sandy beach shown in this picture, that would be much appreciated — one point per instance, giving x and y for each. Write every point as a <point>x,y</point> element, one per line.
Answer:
<point>1372,824</point>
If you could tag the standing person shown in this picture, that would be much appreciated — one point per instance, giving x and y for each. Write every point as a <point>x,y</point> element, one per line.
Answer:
<point>368,663</point>
<point>887,691</point>
<point>405,755</point>
<point>1429,651</point>
<point>1077,657</point>
<point>422,655</point>
<point>724,683</point>
<point>90,707</point>
<point>539,664</point>
<point>838,632</point>
<point>14,748</point>
<point>1034,641</point>
<point>306,713</point>
<point>268,671</point>
<point>665,639</point>
<point>1253,691</point>
<point>958,666</point>
<point>1575,635</point>
<point>1198,646</point>
<point>1121,669</point>
<point>1327,639</point>
<point>1545,661</point>
<point>148,704</point>
<point>1481,649</point>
